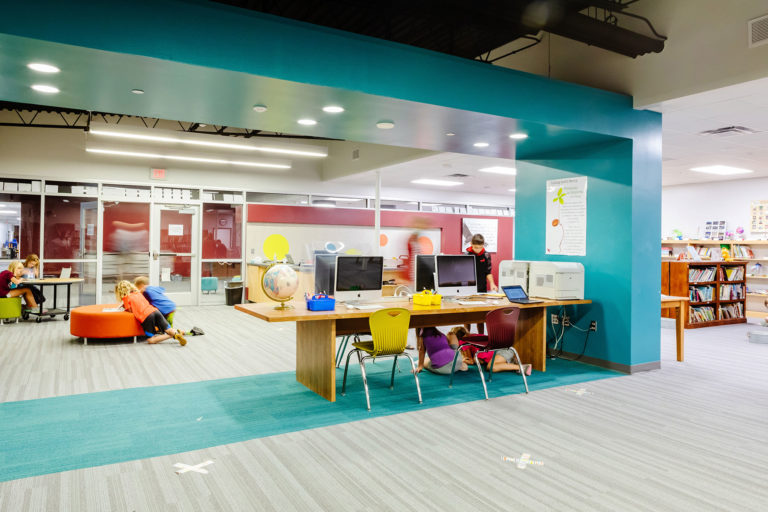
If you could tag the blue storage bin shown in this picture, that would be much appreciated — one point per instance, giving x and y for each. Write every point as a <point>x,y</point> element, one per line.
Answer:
<point>321,302</point>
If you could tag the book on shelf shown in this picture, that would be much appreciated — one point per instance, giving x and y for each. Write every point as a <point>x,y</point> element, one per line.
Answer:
<point>731,291</point>
<point>701,314</point>
<point>731,273</point>
<point>735,310</point>
<point>701,293</point>
<point>742,251</point>
<point>701,274</point>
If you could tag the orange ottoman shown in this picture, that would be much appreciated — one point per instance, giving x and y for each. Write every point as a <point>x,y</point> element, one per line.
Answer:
<point>93,322</point>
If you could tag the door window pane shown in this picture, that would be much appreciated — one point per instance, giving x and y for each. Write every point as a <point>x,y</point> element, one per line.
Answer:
<point>70,228</point>
<point>215,275</point>
<point>222,231</point>
<point>126,245</point>
<point>175,273</point>
<point>176,230</point>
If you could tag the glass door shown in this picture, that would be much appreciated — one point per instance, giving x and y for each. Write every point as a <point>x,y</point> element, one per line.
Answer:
<point>175,264</point>
<point>125,245</point>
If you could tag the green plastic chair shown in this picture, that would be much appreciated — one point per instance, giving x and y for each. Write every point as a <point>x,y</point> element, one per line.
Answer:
<point>10,307</point>
<point>389,330</point>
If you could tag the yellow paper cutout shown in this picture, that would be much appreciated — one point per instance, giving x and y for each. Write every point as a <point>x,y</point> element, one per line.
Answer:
<point>275,247</point>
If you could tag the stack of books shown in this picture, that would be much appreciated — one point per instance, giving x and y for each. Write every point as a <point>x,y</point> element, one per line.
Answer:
<point>701,314</point>
<point>701,293</point>
<point>731,291</point>
<point>735,310</point>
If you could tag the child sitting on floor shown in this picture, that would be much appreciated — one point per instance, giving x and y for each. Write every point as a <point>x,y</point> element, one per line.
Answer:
<point>440,349</point>
<point>151,320</point>
<point>157,297</point>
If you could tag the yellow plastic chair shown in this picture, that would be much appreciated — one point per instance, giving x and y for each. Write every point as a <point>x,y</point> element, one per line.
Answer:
<point>389,330</point>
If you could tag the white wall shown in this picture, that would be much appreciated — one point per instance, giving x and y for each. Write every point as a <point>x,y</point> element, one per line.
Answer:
<point>60,154</point>
<point>706,49</point>
<point>688,207</point>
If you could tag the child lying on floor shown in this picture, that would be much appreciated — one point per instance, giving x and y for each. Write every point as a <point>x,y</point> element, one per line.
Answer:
<point>440,349</point>
<point>156,296</point>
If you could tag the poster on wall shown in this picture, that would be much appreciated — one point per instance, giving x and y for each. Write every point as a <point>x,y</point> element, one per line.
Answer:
<point>759,216</point>
<point>489,228</point>
<point>566,227</point>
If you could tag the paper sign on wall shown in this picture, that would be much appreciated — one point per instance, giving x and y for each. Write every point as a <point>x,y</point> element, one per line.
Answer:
<point>175,229</point>
<point>89,230</point>
<point>566,222</point>
<point>759,216</point>
<point>165,274</point>
<point>489,228</point>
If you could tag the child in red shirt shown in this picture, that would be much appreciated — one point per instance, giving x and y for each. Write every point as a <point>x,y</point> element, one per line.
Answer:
<point>151,320</point>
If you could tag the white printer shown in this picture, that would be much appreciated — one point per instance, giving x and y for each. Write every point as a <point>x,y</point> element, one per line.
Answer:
<point>557,280</point>
<point>514,272</point>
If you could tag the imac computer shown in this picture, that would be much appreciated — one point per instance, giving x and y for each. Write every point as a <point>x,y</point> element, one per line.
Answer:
<point>455,275</point>
<point>425,272</point>
<point>325,273</point>
<point>358,278</point>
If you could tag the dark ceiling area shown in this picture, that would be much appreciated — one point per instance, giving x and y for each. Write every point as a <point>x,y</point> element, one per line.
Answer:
<point>473,29</point>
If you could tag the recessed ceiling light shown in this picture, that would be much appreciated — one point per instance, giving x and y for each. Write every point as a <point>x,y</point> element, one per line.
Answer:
<point>259,108</point>
<point>137,91</point>
<point>723,170</point>
<point>307,122</point>
<point>48,89</point>
<point>450,134</point>
<point>511,171</point>
<point>385,125</point>
<point>511,189</point>
<point>323,203</point>
<point>333,109</point>
<point>189,158</point>
<point>518,136</point>
<point>438,183</point>
<point>43,68</point>
<point>481,144</point>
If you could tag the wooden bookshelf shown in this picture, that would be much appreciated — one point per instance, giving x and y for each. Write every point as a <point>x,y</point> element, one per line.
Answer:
<point>675,281</point>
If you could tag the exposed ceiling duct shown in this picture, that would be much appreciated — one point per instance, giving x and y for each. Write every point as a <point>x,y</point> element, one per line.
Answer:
<point>471,29</point>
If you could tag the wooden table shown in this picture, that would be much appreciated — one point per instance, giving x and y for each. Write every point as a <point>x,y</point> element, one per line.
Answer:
<point>316,332</point>
<point>55,282</point>
<point>680,305</point>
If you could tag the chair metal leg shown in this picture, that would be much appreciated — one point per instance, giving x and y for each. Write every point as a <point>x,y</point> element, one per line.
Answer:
<point>415,376</point>
<point>453,367</point>
<point>490,367</point>
<point>392,380</point>
<point>340,351</point>
<point>346,368</point>
<point>365,380</point>
<point>482,377</point>
<point>522,370</point>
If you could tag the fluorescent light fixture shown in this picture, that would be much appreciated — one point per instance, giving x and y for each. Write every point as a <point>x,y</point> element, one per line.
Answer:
<point>188,158</point>
<point>47,89</point>
<point>511,189</point>
<point>481,144</point>
<point>518,136</point>
<point>137,91</point>
<point>9,212</point>
<point>207,143</point>
<point>385,125</point>
<point>333,109</point>
<point>450,134</point>
<point>344,199</point>
<point>260,108</point>
<point>307,122</point>
<point>438,183</point>
<point>509,171</point>
<point>42,68</point>
<point>324,203</point>
<point>723,170</point>
<point>431,204</point>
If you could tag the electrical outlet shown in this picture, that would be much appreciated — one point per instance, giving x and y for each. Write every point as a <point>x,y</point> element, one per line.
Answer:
<point>566,321</point>
<point>593,325</point>
<point>555,320</point>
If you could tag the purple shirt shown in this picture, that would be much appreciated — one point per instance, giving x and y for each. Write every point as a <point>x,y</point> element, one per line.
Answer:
<point>437,347</point>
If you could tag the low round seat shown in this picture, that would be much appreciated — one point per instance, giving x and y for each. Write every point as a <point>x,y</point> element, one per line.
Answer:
<point>93,322</point>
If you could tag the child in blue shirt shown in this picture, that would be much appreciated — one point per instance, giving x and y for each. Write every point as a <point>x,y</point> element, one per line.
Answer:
<point>157,297</point>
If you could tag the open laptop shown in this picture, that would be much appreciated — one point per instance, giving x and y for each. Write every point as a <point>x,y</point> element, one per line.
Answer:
<point>66,272</point>
<point>515,293</point>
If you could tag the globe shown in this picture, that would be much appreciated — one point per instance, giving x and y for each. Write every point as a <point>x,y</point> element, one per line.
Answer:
<point>279,283</point>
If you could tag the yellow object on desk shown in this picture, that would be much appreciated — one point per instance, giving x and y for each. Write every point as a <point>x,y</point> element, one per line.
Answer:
<point>427,298</point>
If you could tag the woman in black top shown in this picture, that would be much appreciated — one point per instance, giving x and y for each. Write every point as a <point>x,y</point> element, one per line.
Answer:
<point>483,268</point>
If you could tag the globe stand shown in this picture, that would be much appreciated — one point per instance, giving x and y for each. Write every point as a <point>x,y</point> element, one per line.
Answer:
<point>283,306</point>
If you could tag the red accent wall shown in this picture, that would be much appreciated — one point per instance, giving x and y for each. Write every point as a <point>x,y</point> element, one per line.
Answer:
<point>449,224</point>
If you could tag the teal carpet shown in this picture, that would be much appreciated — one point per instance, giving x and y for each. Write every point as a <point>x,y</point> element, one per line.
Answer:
<point>51,435</point>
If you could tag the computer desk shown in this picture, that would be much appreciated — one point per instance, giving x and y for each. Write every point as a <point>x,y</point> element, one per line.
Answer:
<point>316,332</point>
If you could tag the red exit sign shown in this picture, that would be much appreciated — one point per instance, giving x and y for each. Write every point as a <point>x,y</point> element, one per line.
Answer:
<point>157,174</point>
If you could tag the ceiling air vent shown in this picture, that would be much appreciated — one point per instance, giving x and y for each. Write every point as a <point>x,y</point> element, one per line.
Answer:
<point>757,30</point>
<point>728,131</point>
<point>458,175</point>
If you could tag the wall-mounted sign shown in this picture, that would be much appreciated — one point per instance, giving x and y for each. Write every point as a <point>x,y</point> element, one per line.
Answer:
<point>566,221</point>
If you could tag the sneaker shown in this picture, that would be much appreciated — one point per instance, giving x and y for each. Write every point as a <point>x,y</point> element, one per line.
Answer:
<point>196,331</point>
<point>182,341</point>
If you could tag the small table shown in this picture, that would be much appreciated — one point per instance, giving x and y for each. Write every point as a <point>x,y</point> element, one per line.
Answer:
<point>680,305</point>
<point>55,282</point>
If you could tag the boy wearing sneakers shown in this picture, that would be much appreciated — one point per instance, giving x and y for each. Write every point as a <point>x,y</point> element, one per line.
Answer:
<point>157,297</point>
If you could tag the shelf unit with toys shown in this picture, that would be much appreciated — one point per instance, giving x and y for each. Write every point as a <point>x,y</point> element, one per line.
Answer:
<point>717,290</point>
<point>753,252</point>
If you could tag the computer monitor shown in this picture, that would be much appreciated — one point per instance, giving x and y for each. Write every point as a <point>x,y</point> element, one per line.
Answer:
<point>358,278</point>
<point>425,272</point>
<point>455,275</point>
<point>325,273</point>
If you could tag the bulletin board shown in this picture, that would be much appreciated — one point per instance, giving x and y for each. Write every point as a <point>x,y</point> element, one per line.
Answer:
<point>759,216</point>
